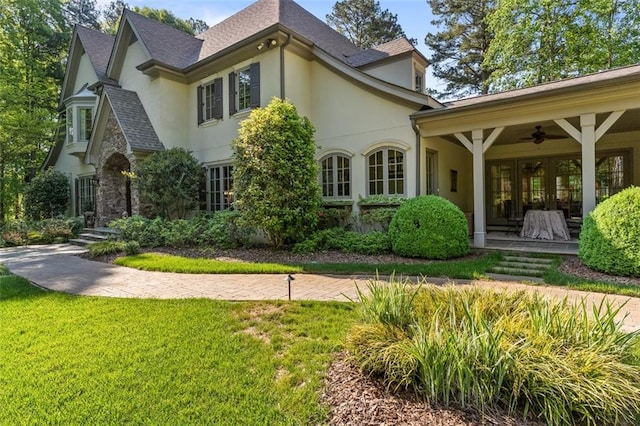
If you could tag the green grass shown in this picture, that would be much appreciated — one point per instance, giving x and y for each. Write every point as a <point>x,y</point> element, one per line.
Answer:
<point>476,268</point>
<point>81,360</point>
<point>471,269</point>
<point>169,263</point>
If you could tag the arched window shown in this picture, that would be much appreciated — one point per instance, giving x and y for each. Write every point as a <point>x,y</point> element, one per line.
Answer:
<point>386,172</point>
<point>335,176</point>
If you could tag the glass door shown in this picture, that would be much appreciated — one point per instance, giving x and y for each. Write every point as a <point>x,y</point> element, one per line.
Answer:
<point>568,187</point>
<point>534,185</point>
<point>501,185</point>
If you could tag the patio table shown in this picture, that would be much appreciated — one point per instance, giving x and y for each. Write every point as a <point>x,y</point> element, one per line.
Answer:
<point>545,224</point>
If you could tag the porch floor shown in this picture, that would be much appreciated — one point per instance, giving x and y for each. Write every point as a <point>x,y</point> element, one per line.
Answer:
<point>505,241</point>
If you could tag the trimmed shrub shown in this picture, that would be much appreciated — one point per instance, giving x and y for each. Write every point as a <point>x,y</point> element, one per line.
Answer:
<point>429,227</point>
<point>347,241</point>
<point>131,248</point>
<point>610,237</point>
<point>106,247</point>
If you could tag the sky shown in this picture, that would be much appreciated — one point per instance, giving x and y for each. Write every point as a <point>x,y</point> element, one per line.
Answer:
<point>413,15</point>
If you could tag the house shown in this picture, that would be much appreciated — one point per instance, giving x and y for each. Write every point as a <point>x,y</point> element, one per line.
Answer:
<point>152,87</point>
<point>563,145</point>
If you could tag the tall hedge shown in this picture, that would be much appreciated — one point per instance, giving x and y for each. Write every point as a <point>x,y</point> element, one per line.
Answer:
<point>610,236</point>
<point>275,173</point>
<point>430,227</point>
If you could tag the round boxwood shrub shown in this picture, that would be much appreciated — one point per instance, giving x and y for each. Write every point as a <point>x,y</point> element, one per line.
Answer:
<point>610,236</point>
<point>429,227</point>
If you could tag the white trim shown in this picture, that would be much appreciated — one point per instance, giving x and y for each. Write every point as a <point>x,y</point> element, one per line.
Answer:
<point>606,124</point>
<point>389,143</point>
<point>330,151</point>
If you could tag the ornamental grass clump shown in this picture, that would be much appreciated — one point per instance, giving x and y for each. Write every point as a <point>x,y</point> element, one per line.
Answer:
<point>555,361</point>
<point>610,236</point>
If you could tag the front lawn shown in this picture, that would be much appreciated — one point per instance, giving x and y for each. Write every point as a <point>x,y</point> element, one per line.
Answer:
<point>85,360</point>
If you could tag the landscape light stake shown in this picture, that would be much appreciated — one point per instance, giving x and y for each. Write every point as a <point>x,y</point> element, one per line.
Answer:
<point>288,280</point>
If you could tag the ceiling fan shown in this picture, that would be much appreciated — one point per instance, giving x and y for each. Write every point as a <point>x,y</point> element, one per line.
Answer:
<point>539,136</point>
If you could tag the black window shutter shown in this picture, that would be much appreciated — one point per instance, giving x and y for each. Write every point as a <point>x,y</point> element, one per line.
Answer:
<point>200,116</point>
<point>232,93</point>
<point>255,85</point>
<point>78,207</point>
<point>217,98</point>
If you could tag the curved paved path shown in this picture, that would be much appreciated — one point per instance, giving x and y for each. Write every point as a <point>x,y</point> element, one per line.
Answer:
<point>56,267</point>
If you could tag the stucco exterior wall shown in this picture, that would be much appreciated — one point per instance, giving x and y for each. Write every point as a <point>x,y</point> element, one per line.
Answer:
<point>450,157</point>
<point>298,86</point>
<point>397,72</point>
<point>349,118</point>
<point>68,164</point>
<point>164,100</point>
<point>211,141</point>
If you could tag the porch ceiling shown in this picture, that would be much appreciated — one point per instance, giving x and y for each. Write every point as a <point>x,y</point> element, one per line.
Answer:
<point>520,133</point>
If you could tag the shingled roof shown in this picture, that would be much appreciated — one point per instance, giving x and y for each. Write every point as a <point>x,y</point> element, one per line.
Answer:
<point>98,47</point>
<point>133,119</point>
<point>383,51</point>
<point>267,13</point>
<point>165,44</point>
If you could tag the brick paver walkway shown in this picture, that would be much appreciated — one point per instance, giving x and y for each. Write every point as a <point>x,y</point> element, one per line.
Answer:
<point>55,267</point>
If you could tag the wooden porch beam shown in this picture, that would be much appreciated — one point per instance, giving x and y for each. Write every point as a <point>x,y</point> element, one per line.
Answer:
<point>465,141</point>
<point>606,124</point>
<point>568,127</point>
<point>491,139</point>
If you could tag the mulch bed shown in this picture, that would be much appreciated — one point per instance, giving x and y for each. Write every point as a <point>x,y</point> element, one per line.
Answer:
<point>355,399</point>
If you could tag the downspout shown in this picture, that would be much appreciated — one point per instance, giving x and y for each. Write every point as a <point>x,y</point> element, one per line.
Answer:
<point>282,48</point>
<point>418,156</point>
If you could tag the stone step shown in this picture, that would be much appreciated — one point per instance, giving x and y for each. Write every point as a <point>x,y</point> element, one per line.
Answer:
<point>525,265</point>
<point>80,242</point>
<point>517,271</point>
<point>527,259</point>
<point>94,237</point>
<point>106,232</point>
<point>509,277</point>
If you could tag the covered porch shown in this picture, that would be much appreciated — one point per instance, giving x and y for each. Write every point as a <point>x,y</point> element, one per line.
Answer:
<point>560,147</point>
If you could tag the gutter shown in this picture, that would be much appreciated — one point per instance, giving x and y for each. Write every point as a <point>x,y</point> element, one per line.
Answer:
<point>282,79</point>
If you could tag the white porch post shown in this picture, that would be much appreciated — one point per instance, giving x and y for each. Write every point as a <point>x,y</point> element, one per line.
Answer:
<point>479,233</point>
<point>588,141</point>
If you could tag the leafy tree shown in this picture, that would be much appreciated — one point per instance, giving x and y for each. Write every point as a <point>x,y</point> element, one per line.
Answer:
<point>365,23</point>
<point>32,42</point>
<point>113,11</point>
<point>459,48</point>
<point>170,181</point>
<point>275,173</point>
<point>47,195</point>
<point>538,41</point>
<point>197,25</point>
<point>82,12</point>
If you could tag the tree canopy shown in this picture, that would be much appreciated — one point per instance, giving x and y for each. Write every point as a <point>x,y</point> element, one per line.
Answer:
<point>537,41</point>
<point>34,38</point>
<point>82,12</point>
<point>112,12</point>
<point>460,45</point>
<point>364,22</point>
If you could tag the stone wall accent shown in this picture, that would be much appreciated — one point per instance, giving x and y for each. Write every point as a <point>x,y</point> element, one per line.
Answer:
<point>113,158</point>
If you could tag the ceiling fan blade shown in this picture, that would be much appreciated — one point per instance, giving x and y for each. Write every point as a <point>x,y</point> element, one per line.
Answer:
<point>555,137</point>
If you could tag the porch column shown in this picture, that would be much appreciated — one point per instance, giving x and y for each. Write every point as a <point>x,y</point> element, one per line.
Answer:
<point>588,141</point>
<point>479,229</point>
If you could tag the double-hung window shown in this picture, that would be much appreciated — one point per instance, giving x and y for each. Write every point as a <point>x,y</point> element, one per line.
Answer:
<point>386,172</point>
<point>244,89</point>
<point>335,176</point>
<point>210,101</point>
<point>220,187</point>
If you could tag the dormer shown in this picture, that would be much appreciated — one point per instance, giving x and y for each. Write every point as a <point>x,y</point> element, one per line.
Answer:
<point>80,110</point>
